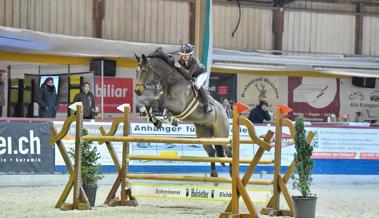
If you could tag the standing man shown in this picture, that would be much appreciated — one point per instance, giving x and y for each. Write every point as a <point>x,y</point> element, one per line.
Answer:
<point>88,101</point>
<point>3,80</point>
<point>47,99</point>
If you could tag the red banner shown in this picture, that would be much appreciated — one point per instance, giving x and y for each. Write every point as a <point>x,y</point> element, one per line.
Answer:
<point>314,98</point>
<point>370,156</point>
<point>334,155</point>
<point>117,91</point>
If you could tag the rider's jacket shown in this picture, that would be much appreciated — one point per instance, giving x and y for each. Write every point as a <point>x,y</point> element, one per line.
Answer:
<point>191,68</point>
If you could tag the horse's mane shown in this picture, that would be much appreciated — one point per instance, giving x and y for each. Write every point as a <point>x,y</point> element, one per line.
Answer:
<point>159,53</point>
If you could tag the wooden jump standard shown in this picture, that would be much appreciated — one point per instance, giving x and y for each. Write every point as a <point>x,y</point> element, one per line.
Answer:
<point>238,185</point>
<point>80,200</point>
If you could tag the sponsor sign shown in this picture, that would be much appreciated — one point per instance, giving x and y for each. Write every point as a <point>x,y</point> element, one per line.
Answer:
<point>222,86</point>
<point>117,91</point>
<point>359,104</point>
<point>345,143</point>
<point>24,147</point>
<point>252,88</point>
<point>314,98</point>
<point>93,129</point>
<point>329,143</point>
<point>188,192</point>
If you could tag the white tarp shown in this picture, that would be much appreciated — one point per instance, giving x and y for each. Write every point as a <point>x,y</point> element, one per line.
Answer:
<point>26,41</point>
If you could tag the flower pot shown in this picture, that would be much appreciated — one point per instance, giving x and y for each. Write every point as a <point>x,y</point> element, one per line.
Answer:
<point>304,207</point>
<point>91,194</point>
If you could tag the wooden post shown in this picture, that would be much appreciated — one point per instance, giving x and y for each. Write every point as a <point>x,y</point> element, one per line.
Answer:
<point>358,29</point>
<point>98,15</point>
<point>125,153</point>
<point>78,156</point>
<point>277,161</point>
<point>273,206</point>
<point>81,203</point>
<point>235,165</point>
<point>159,139</point>
<point>277,28</point>
<point>192,22</point>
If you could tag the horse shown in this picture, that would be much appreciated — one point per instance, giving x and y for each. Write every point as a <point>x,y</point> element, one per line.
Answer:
<point>179,98</point>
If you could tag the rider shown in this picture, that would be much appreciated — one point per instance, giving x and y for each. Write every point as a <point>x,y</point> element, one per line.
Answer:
<point>190,67</point>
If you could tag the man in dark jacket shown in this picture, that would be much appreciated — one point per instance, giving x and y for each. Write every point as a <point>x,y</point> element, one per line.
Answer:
<point>3,80</point>
<point>88,101</point>
<point>260,113</point>
<point>47,99</point>
<point>190,67</point>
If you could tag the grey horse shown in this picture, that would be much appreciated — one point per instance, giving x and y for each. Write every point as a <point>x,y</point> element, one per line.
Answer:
<point>178,97</point>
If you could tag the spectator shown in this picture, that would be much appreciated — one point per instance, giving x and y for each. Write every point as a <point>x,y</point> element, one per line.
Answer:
<point>260,113</point>
<point>3,80</point>
<point>228,107</point>
<point>88,101</point>
<point>47,99</point>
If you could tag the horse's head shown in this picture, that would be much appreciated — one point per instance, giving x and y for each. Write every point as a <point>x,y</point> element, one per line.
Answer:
<point>144,74</point>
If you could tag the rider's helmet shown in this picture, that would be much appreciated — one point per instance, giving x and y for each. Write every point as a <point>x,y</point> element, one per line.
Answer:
<point>186,49</point>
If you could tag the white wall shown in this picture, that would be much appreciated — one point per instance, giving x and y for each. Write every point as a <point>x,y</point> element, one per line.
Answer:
<point>69,17</point>
<point>159,21</point>
<point>370,35</point>
<point>255,29</point>
<point>316,32</point>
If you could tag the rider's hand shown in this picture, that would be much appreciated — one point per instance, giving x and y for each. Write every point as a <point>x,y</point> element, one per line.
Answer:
<point>177,65</point>
<point>264,108</point>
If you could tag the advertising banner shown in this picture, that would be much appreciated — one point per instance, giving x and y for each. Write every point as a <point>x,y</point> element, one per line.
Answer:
<point>93,129</point>
<point>349,143</point>
<point>117,91</point>
<point>346,143</point>
<point>359,104</point>
<point>314,98</point>
<point>252,88</point>
<point>223,86</point>
<point>24,147</point>
<point>204,193</point>
<point>188,130</point>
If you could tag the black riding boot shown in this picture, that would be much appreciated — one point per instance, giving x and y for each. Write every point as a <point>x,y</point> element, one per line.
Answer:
<point>204,99</point>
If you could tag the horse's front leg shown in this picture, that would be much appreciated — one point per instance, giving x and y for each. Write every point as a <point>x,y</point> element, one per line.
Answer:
<point>167,116</point>
<point>147,111</point>
<point>150,117</point>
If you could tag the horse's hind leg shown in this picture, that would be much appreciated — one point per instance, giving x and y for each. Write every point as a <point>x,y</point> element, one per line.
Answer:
<point>222,130</point>
<point>204,131</point>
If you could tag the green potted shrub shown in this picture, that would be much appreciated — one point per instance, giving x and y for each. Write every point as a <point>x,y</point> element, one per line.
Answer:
<point>305,204</point>
<point>90,169</point>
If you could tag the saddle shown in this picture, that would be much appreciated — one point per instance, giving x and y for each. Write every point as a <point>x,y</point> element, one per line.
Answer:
<point>198,83</point>
<point>195,90</point>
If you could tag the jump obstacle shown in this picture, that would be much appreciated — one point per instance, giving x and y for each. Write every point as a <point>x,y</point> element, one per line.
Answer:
<point>279,182</point>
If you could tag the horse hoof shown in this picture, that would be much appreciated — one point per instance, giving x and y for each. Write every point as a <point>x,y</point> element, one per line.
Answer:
<point>158,124</point>
<point>175,123</point>
<point>214,174</point>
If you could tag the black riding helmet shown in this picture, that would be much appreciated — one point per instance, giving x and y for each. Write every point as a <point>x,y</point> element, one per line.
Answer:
<point>186,49</point>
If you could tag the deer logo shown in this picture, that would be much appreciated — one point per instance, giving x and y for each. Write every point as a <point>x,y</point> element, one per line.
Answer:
<point>262,91</point>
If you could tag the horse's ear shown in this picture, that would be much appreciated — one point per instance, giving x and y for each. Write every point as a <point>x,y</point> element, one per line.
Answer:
<point>144,58</point>
<point>138,58</point>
